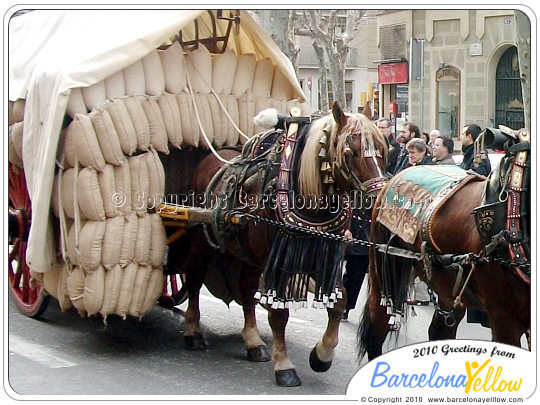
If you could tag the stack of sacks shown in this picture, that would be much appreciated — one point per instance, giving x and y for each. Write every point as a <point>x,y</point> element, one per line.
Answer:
<point>227,92</point>
<point>112,172</point>
<point>15,137</point>
<point>111,176</point>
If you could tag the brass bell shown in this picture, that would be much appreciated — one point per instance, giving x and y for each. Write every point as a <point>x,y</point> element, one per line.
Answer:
<point>328,179</point>
<point>325,167</point>
<point>323,140</point>
<point>322,153</point>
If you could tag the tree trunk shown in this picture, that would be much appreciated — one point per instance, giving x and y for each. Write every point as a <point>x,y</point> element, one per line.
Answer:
<point>323,80</point>
<point>523,34</point>
<point>277,24</point>
<point>337,71</point>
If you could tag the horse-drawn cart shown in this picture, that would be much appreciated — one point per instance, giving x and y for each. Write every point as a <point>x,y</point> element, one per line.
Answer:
<point>121,119</point>
<point>92,92</point>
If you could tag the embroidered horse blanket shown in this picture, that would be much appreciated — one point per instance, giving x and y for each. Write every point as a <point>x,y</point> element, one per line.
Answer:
<point>410,192</point>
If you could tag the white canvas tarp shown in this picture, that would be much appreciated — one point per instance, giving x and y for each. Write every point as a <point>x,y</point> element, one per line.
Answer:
<point>54,51</point>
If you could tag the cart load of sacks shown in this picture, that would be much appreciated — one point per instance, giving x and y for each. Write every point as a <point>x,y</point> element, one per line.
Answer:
<point>110,177</point>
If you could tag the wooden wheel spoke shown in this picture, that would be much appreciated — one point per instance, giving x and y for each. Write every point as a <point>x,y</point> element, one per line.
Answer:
<point>14,250</point>
<point>31,301</point>
<point>174,284</point>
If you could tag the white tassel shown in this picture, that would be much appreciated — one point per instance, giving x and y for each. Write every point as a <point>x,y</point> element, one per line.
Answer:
<point>266,118</point>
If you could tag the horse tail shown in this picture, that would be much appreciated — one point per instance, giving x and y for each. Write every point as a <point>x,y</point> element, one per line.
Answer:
<point>363,335</point>
<point>389,278</point>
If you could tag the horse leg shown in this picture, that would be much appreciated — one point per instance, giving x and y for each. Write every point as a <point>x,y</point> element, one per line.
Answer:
<point>374,325</point>
<point>320,358</point>
<point>193,337</point>
<point>284,369</point>
<point>255,347</point>
<point>195,273</point>
<point>504,330</point>
<point>442,328</point>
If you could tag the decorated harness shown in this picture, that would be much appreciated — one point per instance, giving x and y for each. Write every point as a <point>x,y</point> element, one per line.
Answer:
<point>268,167</point>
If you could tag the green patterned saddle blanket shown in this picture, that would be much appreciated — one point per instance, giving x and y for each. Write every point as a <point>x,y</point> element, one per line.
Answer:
<point>410,192</point>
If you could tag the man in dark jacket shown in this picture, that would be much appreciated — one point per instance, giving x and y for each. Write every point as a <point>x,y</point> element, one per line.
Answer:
<point>442,151</point>
<point>357,263</point>
<point>409,131</point>
<point>468,135</point>
<point>417,150</point>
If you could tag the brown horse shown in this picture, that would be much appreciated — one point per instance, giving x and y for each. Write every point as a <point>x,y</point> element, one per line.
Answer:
<point>307,175</point>
<point>449,244</point>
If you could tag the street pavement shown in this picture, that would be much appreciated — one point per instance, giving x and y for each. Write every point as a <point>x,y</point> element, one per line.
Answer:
<point>63,354</point>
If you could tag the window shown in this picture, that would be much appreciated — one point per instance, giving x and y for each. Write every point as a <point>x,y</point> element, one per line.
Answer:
<point>401,97</point>
<point>348,93</point>
<point>448,94</point>
<point>508,97</point>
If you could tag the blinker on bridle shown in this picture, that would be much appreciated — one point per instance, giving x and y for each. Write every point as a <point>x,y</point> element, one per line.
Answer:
<point>371,186</point>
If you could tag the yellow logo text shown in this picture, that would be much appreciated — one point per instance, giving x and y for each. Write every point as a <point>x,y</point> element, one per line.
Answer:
<point>481,377</point>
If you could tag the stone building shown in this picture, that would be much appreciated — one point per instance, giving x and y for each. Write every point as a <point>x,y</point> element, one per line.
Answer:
<point>470,68</point>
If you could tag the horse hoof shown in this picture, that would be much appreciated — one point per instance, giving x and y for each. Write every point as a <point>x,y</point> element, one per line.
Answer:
<point>318,365</point>
<point>287,378</point>
<point>258,354</point>
<point>195,342</point>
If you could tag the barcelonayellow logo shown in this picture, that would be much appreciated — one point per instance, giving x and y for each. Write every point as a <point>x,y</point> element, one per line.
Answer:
<point>457,367</point>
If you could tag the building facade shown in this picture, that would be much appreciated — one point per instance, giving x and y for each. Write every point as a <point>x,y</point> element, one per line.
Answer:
<point>462,64</point>
<point>438,68</point>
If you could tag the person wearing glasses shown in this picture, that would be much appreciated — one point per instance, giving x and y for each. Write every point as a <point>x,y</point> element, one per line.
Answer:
<point>385,126</point>
<point>409,131</point>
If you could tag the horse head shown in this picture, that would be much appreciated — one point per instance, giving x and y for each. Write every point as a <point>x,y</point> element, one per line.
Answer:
<point>343,149</point>
<point>508,140</point>
<point>510,187</point>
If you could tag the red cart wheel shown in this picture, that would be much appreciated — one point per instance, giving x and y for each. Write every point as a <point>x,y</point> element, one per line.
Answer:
<point>31,299</point>
<point>174,291</point>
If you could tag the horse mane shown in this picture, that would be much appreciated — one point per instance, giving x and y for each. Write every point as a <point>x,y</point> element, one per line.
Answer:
<point>309,179</point>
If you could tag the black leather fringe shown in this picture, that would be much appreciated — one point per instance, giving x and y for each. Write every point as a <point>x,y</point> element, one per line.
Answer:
<point>295,259</point>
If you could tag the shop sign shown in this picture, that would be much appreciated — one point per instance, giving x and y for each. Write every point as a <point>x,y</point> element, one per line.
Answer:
<point>393,73</point>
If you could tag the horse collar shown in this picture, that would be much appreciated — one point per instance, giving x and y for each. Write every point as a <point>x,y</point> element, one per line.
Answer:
<point>286,210</point>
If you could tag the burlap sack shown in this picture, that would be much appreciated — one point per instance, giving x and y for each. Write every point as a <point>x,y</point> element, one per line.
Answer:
<point>142,279</point>
<point>154,290</point>
<point>140,122</point>
<point>94,95</point>
<point>154,79</point>
<point>107,137</point>
<point>94,286</point>
<point>126,290</point>
<point>113,282</point>
<point>134,79</point>
<point>115,86</point>
<point>172,61</point>
<point>76,104</point>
